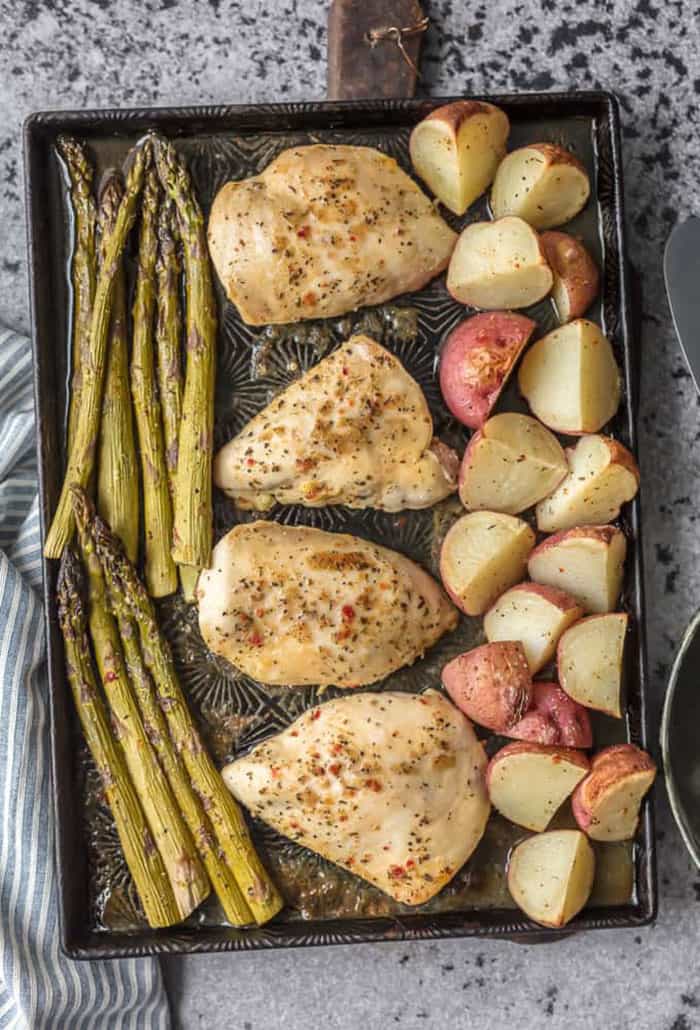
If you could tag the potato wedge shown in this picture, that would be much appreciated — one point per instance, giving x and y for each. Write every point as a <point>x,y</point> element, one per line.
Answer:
<point>550,875</point>
<point>589,661</point>
<point>602,477</point>
<point>477,359</point>
<point>554,718</point>
<point>510,464</point>
<point>528,783</point>
<point>576,275</point>
<point>491,684</point>
<point>587,562</point>
<point>483,554</point>
<point>542,183</point>
<point>571,380</point>
<point>499,265</point>
<point>457,149</point>
<point>606,803</point>
<point>536,616</point>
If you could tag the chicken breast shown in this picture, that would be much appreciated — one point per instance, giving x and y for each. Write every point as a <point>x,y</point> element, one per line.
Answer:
<point>355,430</point>
<point>294,605</point>
<point>390,786</point>
<point>322,231</point>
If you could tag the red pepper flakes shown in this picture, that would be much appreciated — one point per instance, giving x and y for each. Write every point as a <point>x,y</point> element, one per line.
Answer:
<point>346,370</point>
<point>294,733</point>
<point>255,640</point>
<point>374,785</point>
<point>350,861</point>
<point>260,612</point>
<point>274,770</point>
<point>304,232</point>
<point>110,677</point>
<point>410,864</point>
<point>353,237</point>
<point>316,714</point>
<point>335,768</point>
<point>309,298</point>
<point>396,871</point>
<point>250,462</point>
<point>337,749</point>
<point>348,612</point>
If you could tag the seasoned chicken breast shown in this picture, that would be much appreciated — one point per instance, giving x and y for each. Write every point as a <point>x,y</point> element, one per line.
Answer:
<point>390,786</point>
<point>322,231</point>
<point>294,605</point>
<point>355,430</point>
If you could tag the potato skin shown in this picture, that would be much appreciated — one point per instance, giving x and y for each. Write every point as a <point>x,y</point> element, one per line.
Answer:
<point>576,270</point>
<point>491,684</point>
<point>608,767</point>
<point>477,359</point>
<point>554,719</point>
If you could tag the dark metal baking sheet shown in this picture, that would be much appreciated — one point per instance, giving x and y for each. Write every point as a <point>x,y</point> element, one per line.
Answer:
<point>98,916</point>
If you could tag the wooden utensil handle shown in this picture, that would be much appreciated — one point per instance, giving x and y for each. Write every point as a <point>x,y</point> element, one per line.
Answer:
<point>373,48</point>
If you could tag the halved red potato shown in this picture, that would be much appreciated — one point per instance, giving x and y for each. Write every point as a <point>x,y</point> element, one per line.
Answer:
<point>477,359</point>
<point>576,275</point>
<point>535,615</point>
<point>528,783</point>
<point>570,379</point>
<point>554,718</point>
<point>603,476</point>
<point>499,265</point>
<point>550,875</point>
<point>606,803</point>
<point>587,562</point>
<point>491,684</point>
<point>589,661</point>
<point>457,149</point>
<point>542,183</point>
<point>483,554</point>
<point>511,464</point>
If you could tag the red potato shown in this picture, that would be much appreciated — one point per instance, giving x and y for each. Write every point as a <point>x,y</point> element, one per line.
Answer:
<point>554,718</point>
<point>550,875</point>
<point>589,661</point>
<point>606,803</point>
<point>510,465</point>
<point>587,562</point>
<point>528,783</point>
<point>535,615</point>
<point>491,684</point>
<point>602,477</point>
<point>477,359</point>
<point>571,380</point>
<point>576,275</point>
<point>457,149</point>
<point>483,554</point>
<point>499,265</point>
<point>542,183</point>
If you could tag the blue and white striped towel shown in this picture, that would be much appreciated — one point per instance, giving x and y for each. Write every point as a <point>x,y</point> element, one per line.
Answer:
<point>40,989</point>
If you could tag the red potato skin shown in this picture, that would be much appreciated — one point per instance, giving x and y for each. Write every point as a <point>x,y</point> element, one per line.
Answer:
<point>564,754</point>
<point>608,767</point>
<point>491,684</point>
<point>619,455</point>
<point>457,113</point>
<point>554,154</point>
<point>571,262</point>
<point>605,534</point>
<point>559,598</point>
<point>479,355</point>
<point>554,719</point>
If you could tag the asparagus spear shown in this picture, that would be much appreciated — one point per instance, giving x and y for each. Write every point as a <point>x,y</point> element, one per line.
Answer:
<point>142,856</point>
<point>172,838</point>
<point>83,265</point>
<point>227,890</point>
<point>117,469</point>
<point>161,575</point>
<point>81,457</point>
<point>168,331</point>
<point>227,821</point>
<point>192,529</point>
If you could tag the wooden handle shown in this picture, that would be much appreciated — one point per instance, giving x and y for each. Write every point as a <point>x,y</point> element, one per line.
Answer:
<point>373,48</point>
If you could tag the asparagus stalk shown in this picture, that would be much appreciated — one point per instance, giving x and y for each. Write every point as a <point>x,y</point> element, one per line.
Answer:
<point>172,838</point>
<point>81,457</point>
<point>168,332</point>
<point>192,528</point>
<point>226,818</point>
<point>161,574</point>
<point>117,468</point>
<point>80,174</point>
<point>142,856</point>
<point>227,890</point>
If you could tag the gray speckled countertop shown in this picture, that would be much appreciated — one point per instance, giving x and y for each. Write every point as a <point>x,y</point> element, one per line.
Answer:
<point>92,53</point>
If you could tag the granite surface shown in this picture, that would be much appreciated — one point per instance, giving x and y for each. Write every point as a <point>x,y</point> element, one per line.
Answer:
<point>76,53</point>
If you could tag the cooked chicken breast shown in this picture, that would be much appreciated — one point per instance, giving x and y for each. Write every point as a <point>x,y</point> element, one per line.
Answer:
<point>390,786</point>
<point>293,605</point>
<point>355,430</point>
<point>322,231</point>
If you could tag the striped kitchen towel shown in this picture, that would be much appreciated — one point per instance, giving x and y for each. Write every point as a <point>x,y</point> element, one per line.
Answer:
<point>40,989</point>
